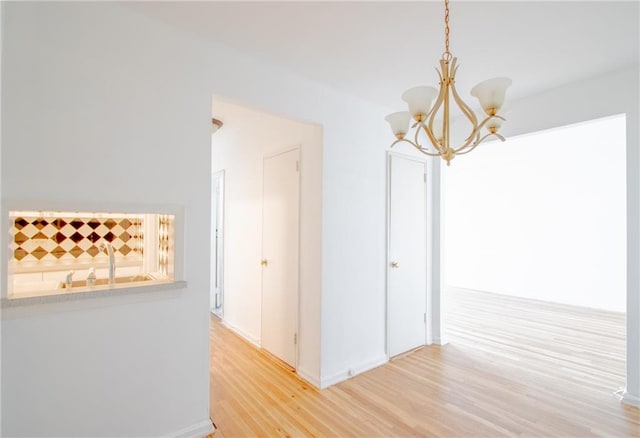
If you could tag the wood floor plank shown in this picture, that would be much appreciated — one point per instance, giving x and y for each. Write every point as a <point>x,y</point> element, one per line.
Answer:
<point>513,367</point>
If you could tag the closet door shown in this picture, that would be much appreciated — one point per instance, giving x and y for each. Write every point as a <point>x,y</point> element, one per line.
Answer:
<point>407,254</point>
<point>280,255</point>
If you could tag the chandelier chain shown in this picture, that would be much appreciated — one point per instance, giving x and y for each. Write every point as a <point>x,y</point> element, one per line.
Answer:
<point>447,54</point>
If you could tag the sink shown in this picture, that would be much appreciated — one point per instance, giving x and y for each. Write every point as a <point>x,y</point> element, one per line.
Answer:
<point>105,281</point>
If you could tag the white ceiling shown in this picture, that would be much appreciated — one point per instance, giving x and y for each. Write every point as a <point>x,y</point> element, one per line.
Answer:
<point>376,50</point>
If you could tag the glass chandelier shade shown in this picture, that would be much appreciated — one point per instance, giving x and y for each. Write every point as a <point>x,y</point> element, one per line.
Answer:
<point>419,100</point>
<point>491,94</point>
<point>399,123</point>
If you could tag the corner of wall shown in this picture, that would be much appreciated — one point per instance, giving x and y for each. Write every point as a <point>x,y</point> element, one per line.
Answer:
<point>360,368</point>
<point>309,377</point>
<point>197,430</point>
<point>629,399</point>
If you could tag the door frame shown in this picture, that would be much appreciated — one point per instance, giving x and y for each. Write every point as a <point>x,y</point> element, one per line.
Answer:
<point>428,199</point>
<point>218,175</point>
<point>297,294</point>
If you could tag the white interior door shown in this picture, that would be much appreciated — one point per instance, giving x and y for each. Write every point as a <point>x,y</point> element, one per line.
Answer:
<point>217,237</point>
<point>280,255</point>
<point>407,254</point>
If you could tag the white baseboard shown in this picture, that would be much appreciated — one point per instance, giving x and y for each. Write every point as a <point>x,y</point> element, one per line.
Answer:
<point>353,371</point>
<point>629,399</point>
<point>333,379</point>
<point>241,333</point>
<point>198,430</point>
<point>440,341</point>
<point>313,380</point>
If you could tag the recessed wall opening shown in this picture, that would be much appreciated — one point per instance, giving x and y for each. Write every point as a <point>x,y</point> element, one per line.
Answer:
<point>58,252</point>
<point>535,249</point>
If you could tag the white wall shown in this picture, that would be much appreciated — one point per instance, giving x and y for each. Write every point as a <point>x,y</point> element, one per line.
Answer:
<point>353,282</point>
<point>94,114</point>
<point>239,149</point>
<point>2,220</point>
<point>542,216</point>
<point>106,105</point>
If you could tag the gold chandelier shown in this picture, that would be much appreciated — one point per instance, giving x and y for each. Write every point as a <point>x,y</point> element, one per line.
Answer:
<point>490,93</point>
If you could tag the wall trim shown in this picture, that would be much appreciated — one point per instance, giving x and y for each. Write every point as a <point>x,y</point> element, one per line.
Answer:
<point>198,430</point>
<point>244,335</point>
<point>629,399</point>
<point>353,371</point>
<point>440,341</point>
<point>308,377</point>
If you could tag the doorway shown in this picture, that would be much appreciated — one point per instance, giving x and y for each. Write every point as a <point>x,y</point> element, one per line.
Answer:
<point>245,154</point>
<point>524,224</point>
<point>535,247</point>
<point>406,254</point>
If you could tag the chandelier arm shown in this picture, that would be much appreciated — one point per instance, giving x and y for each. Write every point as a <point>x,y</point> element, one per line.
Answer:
<point>432,138</point>
<point>469,141</point>
<point>404,140</point>
<point>484,122</point>
<point>472,140</point>
<point>424,151</point>
<point>476,133</point>
<point>468,150</point>
<point>467,111</point>
<point>477,130</point>
<point>453,69</point>
<point>417,146</point>
<point>475,145</point>
<point>434,111</point>
<point>481,140</point>
<point>415,142</point>
<point>439,75</point>
<point>438,103</point>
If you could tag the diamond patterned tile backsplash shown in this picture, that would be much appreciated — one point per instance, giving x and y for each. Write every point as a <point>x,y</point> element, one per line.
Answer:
<point>64,237</point>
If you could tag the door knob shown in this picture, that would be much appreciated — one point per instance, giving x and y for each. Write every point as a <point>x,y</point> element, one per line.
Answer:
<point>264,262</point>
<point>395,265</point>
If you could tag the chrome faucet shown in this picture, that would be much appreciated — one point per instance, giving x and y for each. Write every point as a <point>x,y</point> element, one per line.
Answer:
<point>69,279</point>
<point>106,247</point>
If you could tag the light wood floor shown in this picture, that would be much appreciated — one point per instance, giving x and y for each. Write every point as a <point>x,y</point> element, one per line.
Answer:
<point>512,368</point>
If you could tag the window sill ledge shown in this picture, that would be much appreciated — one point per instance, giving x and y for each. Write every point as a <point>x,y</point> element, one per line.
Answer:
<point>90,293</point>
